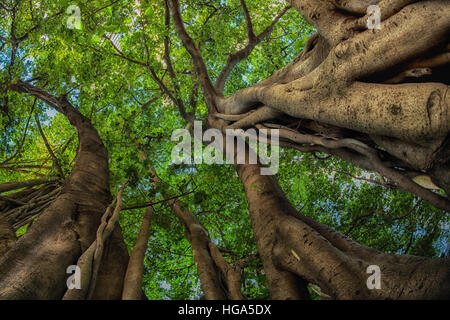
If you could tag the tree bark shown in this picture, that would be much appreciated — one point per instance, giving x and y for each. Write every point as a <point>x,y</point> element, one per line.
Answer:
<point>343,79</point>
<point>132,289</point>
<point>332,82</point>
<point>317,254</point>
<point>219,279</point>
<point>7,236</point>
<point>35,268</point>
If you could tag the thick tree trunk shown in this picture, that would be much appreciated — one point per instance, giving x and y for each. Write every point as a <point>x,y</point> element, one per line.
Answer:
<point>112,270</point>
<point>35,268</point>
<point>323,85</point>
<point>266,206</point>
<point>313,252</point>
<point>356,81</point>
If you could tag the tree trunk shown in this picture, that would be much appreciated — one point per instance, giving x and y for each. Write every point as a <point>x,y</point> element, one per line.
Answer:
<point>35,268</point>
<point>387,104</point>
<point>132,289</point>
<point>332,85</point>
<point>313,252</point>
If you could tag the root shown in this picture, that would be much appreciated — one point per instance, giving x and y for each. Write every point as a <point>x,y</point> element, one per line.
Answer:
<point>411,73</point>
<point>232,117</point>
<point>262,114</point>
<point>433,62</point>
<point>372,155</point>
<point>90,260</point>
<point>355,6</point>
<point>23,207</point>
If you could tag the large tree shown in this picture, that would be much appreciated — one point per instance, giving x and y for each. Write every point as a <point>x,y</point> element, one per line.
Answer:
<point>374,97</point>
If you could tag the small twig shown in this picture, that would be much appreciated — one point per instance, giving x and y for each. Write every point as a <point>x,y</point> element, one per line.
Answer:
<point>49,148</point>
<point>24,136</point>
<point>145,205</point>
<point>383,214</point>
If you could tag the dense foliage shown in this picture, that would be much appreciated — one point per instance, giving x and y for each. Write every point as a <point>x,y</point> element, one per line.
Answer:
<point>114,71</point>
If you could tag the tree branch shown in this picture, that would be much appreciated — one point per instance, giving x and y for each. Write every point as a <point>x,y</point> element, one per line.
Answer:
<point>150,204</point>
<point>199,64</point>
<point>253,41</point>
<point>24,136</point>
<point>49,148</point>
<point>250,34</point>
<point>177,97</point>
<point>402,181</point>
<point>381,213</point>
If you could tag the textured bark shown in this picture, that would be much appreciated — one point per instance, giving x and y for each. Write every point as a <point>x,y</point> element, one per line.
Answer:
<point>315,253</point>
<point>340,81</point>
<point>219,279</point>
<point>132,289</point>
<point>7,236</point>
<point>266,206</point>
<point>358,81</point>
<point>35,268</point>
<point>112,268</point>
<point>106,284</point>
